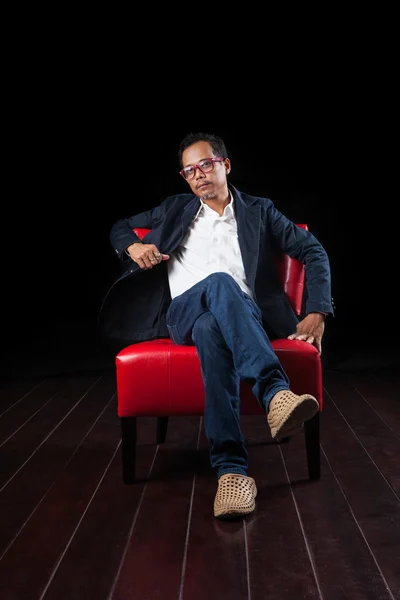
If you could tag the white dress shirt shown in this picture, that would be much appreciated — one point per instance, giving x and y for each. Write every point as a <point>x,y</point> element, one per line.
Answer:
<point>211,245</point>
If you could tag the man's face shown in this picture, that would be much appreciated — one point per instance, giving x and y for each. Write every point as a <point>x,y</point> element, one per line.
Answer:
<point>211,184</point>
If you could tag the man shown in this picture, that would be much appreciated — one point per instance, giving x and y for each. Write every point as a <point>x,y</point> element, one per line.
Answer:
<point>208,278</point>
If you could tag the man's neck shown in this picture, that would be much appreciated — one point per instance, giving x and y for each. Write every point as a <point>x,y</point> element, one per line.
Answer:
<point>217,204</point>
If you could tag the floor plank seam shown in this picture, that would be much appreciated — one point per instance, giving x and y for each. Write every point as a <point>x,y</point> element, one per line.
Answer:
<point>246,553</point>
<point>56,479</point>
<point>48,435</point>
<point>358,525</point>
<point>27,420</point>
<point>186,545</point>
<point>59,561</point>
<point>364,448</point>
<point>114,586</point>
<point>23,397</point>
<point>306,542</point>
<point>381,418</point>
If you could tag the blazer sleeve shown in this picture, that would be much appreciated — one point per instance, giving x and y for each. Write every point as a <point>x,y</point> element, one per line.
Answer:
<point>122,234</point>
<point>305,247</point>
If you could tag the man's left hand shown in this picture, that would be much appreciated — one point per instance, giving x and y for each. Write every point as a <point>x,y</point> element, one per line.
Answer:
<point>310,329</point>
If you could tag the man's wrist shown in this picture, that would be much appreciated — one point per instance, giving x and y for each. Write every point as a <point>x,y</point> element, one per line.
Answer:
<point>126,249</point>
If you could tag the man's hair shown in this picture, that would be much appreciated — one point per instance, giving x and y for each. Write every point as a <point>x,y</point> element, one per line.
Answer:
<point>215,142</point>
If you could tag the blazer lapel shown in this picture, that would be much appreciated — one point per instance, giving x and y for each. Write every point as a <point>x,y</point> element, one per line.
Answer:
<point>175,236</point>
<point>248,219</point>
<point>189,214</point>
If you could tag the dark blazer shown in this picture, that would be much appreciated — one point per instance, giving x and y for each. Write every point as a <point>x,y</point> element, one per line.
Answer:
<point>134,308</point>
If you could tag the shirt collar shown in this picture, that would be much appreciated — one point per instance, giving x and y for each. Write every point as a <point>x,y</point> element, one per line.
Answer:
<point>229,208</point>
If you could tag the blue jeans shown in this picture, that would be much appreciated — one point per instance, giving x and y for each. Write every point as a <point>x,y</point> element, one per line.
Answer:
<point>226,327</point>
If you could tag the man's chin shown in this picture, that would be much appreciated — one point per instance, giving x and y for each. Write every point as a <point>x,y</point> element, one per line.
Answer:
<point>207,196</point>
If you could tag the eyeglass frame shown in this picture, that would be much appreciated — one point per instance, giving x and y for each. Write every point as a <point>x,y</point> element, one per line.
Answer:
<point>195,167</point>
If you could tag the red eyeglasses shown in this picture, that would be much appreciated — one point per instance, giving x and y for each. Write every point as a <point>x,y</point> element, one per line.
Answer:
<point>206,165</point>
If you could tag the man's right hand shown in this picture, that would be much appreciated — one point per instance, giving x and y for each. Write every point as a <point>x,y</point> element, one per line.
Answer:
<point>146,256</point>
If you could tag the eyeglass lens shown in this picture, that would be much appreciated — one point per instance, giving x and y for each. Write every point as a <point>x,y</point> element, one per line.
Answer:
<point>205,166</point>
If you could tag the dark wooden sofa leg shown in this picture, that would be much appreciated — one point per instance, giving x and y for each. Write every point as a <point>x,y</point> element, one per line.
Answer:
<point>128,448</point>
<point>162,426</point>
<point>311,433</point>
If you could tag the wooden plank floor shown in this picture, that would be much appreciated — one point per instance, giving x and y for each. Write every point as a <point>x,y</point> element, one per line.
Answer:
<point>71,530</point>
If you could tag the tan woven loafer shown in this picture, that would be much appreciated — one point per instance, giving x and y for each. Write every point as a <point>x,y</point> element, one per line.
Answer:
<point>287,412</point>
<point>235,496</point>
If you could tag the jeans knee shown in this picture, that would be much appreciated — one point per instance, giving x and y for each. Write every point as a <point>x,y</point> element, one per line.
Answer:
<point>204,327</point>
<point>221,278</point>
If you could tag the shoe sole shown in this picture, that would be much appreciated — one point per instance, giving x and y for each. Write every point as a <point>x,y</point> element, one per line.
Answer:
<point>301,413</point>
<point>234,514</point>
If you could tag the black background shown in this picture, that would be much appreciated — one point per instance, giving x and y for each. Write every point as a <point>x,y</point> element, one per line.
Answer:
<point>94,109</point>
